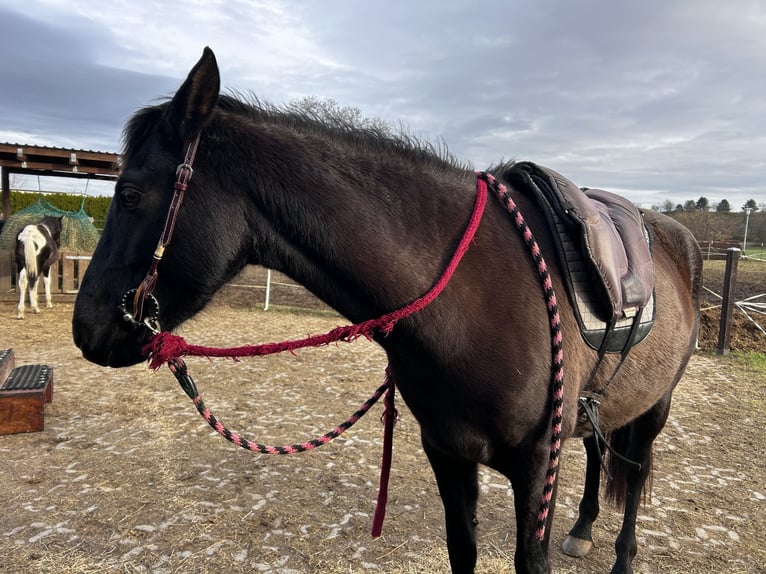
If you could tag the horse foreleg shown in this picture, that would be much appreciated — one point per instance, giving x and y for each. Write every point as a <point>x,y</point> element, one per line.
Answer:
<point>47,285</point>
<point>22,286</point>
<point>580,540</point>
<point>642,433</point>
<point>459,490</point>
<point>526,471</point>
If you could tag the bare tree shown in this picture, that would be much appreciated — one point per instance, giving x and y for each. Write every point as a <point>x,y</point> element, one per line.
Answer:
<point>329,109</point>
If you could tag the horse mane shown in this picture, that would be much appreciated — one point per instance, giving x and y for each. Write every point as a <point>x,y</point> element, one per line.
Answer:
<point>372,135</point>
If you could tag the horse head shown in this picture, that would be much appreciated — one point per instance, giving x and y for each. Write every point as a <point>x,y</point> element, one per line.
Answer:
<point>54,226</point>
<point>208,238</point>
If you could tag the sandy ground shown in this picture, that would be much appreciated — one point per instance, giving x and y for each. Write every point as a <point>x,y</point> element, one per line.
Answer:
<point>126,477</point>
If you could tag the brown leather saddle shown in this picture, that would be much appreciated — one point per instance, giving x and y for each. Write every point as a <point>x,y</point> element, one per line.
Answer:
<point>605,252</point>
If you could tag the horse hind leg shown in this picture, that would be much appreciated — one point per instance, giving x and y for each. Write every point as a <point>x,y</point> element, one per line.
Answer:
<point>627,483</point>
<point>33,295</point>
<point>458,484</point>
<point>47,285</point>
<point>22,286</point>
<point>579,541</point>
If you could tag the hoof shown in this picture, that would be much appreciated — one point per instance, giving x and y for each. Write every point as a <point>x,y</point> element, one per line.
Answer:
<point>576,547</point>
<point>49,306</point>
<point>20,316</point>
<point>36,311</point>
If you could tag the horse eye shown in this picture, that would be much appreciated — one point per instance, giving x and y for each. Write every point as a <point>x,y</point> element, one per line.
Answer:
<point>130,196</point>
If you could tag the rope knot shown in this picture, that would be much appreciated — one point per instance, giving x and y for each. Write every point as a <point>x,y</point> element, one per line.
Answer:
<point>165,347</point>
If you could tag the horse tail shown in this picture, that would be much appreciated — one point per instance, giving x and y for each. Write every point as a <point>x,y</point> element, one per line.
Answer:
<point>27,238</point>
<point>616,491</point>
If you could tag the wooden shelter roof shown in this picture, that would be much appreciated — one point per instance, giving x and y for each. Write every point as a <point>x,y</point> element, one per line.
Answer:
<point>20,158</point>
<point>53,161</point>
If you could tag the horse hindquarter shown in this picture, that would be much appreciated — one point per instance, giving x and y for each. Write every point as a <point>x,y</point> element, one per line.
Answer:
<point>35,255</point>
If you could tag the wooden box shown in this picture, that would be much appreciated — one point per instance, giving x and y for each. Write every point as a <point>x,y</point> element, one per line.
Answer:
<point>22,399</point>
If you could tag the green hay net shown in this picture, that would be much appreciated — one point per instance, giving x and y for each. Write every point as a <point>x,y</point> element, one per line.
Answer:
<point>77,231</point>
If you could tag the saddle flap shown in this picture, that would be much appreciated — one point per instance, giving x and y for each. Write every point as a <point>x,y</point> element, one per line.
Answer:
<point>624,229</point>
<point>610,230</point>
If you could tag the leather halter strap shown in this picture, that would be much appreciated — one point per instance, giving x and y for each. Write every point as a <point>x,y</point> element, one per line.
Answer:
<point>183,175</point>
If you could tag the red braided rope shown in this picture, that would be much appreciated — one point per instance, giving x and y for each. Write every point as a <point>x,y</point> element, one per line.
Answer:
<point>165,346</point>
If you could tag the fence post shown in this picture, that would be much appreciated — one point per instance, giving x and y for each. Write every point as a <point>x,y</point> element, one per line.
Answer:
<point>727,306</point>
<point>268,290</point>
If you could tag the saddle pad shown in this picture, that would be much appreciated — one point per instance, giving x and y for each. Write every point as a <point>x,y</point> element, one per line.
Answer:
<point>604,250</point>
<point>587,300</point>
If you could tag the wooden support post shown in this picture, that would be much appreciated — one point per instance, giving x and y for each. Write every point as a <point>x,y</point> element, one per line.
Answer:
<point>727,307</point>
<point>5,182</point>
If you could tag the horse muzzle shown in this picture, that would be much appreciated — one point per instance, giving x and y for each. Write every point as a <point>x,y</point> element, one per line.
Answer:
<point>113,338</point>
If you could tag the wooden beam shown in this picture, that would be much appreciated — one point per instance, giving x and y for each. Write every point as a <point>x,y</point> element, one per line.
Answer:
<point>30,150</point>
<point>82,173</point>
<point>57,159</point>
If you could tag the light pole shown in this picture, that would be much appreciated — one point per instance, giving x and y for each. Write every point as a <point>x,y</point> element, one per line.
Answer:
<point>747,220</point>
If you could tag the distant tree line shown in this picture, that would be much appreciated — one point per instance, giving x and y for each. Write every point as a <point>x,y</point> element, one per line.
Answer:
<point>95,207</point>
<point>703,204</point>
<point>721,223</point>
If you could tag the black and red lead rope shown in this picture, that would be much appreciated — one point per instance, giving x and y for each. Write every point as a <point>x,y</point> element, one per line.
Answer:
<point>179,369</point>
<point>557,352</point>
<point>168,349</point>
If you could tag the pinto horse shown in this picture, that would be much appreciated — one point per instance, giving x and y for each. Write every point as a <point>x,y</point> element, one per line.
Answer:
<point>37,249</point>
<point>367,221</point>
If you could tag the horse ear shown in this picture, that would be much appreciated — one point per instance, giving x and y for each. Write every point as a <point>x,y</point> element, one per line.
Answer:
<point>192,107</point>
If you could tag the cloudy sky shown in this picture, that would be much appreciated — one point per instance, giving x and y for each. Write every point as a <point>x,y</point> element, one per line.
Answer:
<point>658,100</point>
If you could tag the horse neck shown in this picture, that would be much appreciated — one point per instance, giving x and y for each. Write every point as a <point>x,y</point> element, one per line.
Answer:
<point>365,232</point>
<point>46,231</point>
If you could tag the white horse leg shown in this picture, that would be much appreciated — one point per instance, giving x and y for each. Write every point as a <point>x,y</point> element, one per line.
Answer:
<point>33,295</point>
<point>22,286</point>
<point>47,284</point>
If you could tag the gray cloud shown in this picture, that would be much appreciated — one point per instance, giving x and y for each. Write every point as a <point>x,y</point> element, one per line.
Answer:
<point>54,87</point>
<point>661,100</point>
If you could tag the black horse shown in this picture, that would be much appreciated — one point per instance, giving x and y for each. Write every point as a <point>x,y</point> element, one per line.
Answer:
<point>367,222</point>
<point>37,249</point>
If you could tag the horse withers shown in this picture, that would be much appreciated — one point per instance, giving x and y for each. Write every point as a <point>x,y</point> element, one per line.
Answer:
<point>37,249</point>
<point>368,221</point>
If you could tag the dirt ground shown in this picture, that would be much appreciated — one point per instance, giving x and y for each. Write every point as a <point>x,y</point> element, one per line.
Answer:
<point>127,478</point>
<point>746,336</point>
